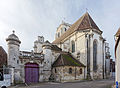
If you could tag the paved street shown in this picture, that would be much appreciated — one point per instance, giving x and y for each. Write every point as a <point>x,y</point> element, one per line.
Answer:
<point>89,84</point>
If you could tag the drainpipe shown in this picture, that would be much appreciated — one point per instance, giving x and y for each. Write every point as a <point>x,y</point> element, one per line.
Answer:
<point>84,72</point>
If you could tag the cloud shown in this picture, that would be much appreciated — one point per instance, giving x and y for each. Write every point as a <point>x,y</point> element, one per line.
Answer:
<point>31,18</point>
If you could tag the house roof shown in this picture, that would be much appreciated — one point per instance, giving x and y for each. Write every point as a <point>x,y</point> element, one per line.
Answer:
<point>2,50</point>
<point>84,22</point>
<point>116,44</point>
<point>118,33</point>
<point>118,40</point>
<point>66,59</point>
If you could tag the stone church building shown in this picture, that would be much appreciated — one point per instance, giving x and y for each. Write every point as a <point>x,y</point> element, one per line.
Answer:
<point>78,52</point>
<point>84,40</point>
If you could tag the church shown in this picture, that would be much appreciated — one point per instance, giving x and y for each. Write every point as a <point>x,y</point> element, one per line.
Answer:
<point>84,40</point>
<point>78,52</point>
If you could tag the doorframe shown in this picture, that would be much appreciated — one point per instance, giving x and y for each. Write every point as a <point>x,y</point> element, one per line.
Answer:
<point>33,67</point>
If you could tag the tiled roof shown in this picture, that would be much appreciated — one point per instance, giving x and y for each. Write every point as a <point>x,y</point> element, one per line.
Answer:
<point>85,22</point>
<point>118,33</point>
<point>116,44</point>
<point>55,48</point>
<point>66,59</point>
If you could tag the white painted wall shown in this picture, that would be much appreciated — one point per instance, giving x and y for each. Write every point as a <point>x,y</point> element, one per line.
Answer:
<point>117,65</point>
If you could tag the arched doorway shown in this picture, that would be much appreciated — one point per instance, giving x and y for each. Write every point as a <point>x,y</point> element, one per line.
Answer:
<point>31,73</point>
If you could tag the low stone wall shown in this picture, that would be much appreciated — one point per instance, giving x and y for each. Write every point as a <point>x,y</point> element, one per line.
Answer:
<point>62,73</point>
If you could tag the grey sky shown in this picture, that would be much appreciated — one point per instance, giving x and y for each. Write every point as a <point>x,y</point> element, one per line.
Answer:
<point>30,18</point>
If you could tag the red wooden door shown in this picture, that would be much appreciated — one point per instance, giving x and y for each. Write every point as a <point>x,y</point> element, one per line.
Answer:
<point>31,73</point>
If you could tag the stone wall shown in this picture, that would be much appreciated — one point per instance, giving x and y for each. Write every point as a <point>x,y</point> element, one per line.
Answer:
<point>80,38</point>
<point>62,73</point>
<point>28,60</point>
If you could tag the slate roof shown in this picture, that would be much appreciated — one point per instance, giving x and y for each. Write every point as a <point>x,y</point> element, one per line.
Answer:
<point>66,59</point>
<point>85,22</point>
<point>53,47</point>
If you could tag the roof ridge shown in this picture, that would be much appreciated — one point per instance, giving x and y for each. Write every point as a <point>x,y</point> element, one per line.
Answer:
<point>81,18</point>
<point>83,23</point>
<point>89,20</point>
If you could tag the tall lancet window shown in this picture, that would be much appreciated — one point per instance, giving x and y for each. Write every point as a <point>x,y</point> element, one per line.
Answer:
<point>73,46</point>
<point>95,55</point>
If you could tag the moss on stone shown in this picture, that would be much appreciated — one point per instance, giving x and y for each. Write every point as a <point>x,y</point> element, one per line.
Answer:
<point>71,60</point>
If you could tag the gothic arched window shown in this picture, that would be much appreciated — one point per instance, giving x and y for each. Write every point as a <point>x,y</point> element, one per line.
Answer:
<point>73,46</point>
<point>95,55</point>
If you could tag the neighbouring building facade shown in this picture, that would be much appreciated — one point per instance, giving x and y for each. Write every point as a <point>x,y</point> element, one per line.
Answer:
<point>117,55</point>
<point>3,62</point>
<point>107,60</point>
<point>3,57</point>
<point>78,52</point>
<point>112,68</point>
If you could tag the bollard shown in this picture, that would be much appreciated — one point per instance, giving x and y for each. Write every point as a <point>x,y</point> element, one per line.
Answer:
<point>116,84</point>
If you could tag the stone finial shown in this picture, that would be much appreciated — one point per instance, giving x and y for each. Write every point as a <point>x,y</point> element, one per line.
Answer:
<point>13,32</point>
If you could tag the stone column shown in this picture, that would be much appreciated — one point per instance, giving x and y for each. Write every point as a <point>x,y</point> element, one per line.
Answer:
<point>91,55</point>
<point>88,57</point>
<point>103,54</point>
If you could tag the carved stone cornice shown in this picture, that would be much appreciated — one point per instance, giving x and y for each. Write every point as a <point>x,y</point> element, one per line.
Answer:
<point>91,35</point>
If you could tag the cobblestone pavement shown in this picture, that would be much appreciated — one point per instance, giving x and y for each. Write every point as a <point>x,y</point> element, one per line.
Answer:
<point>106,83</point>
